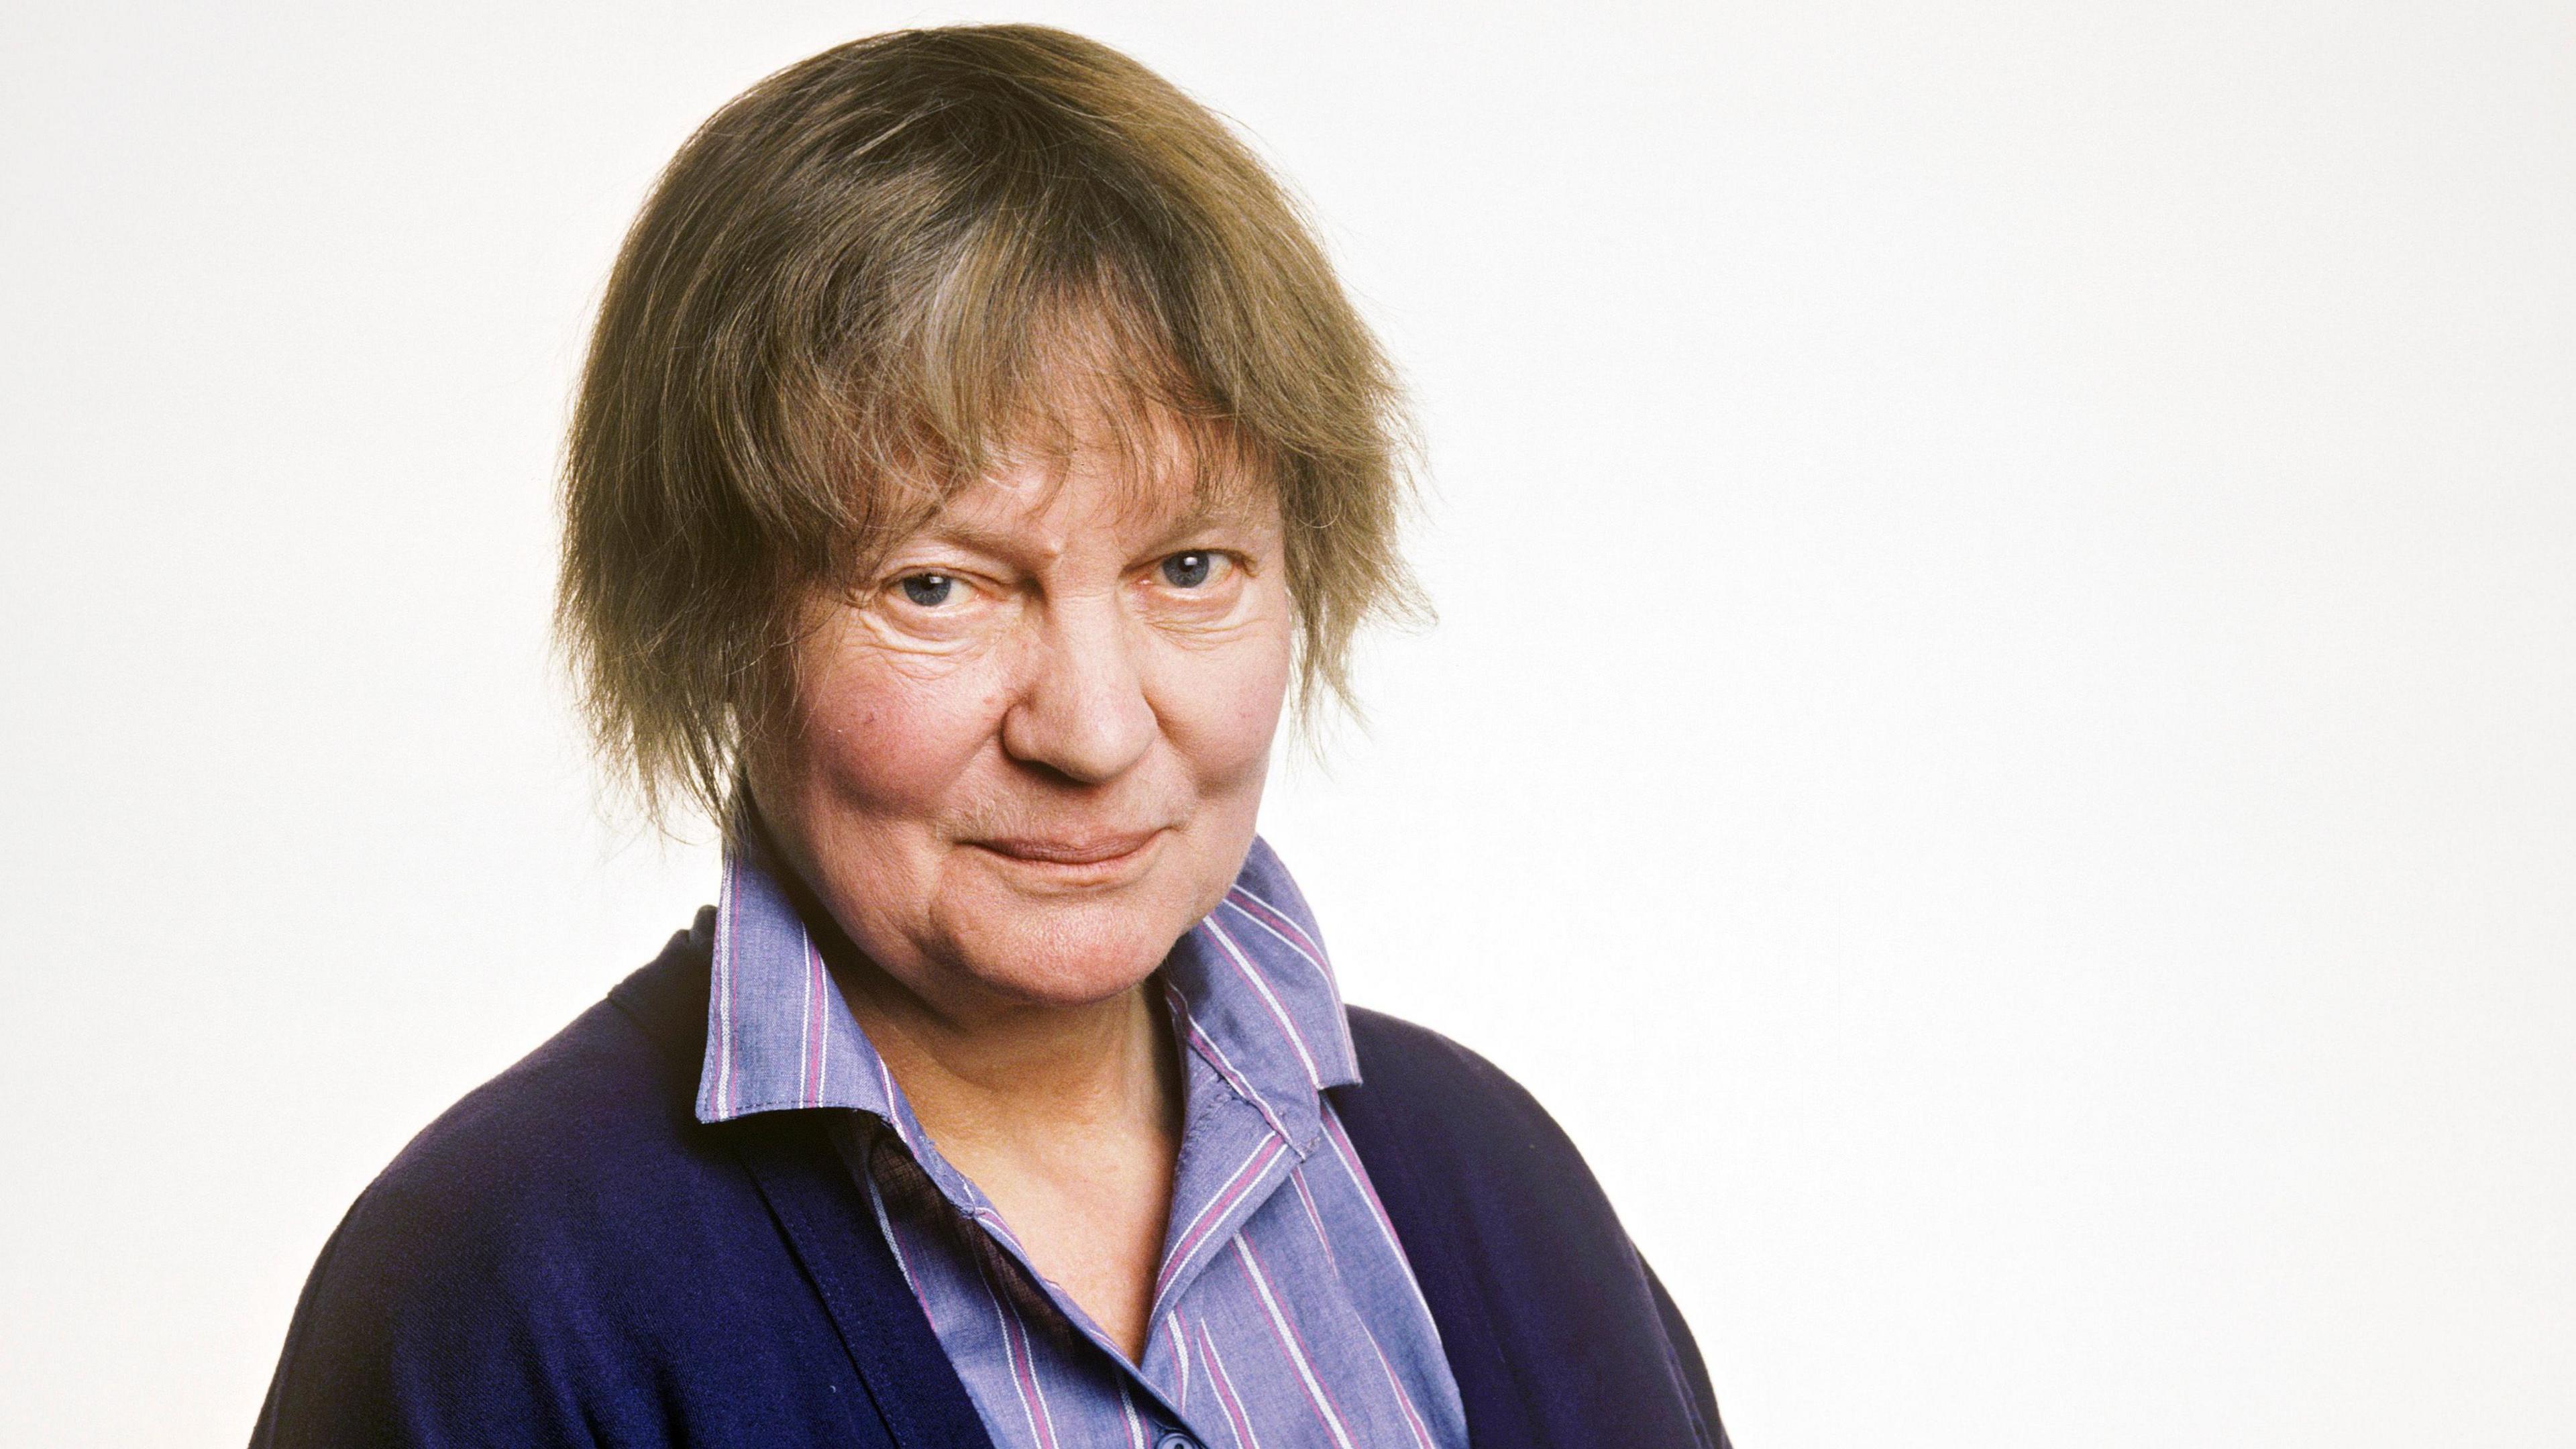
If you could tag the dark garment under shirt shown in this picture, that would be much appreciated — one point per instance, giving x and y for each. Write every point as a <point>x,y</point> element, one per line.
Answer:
<point>570,1257</point>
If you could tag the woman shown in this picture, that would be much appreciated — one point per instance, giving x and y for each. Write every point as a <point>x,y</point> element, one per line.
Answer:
<point>975,455</point>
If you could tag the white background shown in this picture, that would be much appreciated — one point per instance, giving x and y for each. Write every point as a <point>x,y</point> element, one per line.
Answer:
<point>2002,747</point>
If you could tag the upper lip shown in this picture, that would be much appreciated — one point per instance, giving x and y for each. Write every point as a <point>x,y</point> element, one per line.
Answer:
<point>1086,849</point>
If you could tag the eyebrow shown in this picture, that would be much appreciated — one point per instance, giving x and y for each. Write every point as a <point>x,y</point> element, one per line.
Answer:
<point>968,535</point>
<point>1224,505</point>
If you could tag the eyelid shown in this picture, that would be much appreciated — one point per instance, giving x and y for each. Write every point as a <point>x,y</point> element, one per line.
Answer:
<point>1236,557</point>
<point>962,574</point>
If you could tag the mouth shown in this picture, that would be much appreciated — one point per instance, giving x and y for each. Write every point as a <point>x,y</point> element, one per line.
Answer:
<point>1083,856</point>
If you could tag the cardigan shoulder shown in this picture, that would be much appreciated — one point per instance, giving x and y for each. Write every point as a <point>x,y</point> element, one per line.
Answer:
<point>1463,1121</point>
<point>1438,1078</point>
<point>553,1259</point>
<point>1555,1328</point>
<point>527,1164</point>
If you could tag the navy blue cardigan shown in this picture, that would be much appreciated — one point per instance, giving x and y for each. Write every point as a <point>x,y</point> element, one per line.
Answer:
<point>569,1257</point>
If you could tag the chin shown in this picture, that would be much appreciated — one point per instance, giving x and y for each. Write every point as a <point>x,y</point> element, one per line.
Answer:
<point>1067,952</point>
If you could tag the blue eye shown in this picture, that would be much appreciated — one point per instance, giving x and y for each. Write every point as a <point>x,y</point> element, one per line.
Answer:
<point>928,590</point>
<point>1188,570</point>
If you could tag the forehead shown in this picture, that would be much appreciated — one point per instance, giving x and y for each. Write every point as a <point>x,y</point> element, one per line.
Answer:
<point>1134,472</point>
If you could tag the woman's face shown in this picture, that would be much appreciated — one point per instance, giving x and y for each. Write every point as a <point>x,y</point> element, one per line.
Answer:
<point>1027,751</point>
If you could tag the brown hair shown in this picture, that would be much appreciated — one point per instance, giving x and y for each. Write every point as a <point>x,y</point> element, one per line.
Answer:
<point>863,277</point>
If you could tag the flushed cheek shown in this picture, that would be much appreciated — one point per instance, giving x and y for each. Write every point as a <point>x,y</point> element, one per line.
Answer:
<point>1222,712</point>
<point>893,743</point>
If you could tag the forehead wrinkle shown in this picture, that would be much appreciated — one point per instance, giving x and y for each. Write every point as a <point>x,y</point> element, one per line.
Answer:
<point>1145,469</point>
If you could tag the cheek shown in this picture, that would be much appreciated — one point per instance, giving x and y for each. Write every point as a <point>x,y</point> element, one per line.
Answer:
<point>1221,708</point>
<point>891,742</point>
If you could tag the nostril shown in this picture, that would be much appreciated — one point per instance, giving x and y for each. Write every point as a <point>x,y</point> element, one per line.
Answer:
<point>1087,730</point>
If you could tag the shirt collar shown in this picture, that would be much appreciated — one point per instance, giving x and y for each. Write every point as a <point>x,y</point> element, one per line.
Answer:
<point>1250,987</point>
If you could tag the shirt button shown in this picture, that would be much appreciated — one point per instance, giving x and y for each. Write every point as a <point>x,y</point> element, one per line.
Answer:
<point>1176,1440</point>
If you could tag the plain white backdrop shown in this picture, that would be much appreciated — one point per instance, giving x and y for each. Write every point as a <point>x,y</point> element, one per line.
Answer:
<point>2001,747</point>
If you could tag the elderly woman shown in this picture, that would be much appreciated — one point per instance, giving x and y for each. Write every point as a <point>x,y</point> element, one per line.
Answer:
<point>975,455</point>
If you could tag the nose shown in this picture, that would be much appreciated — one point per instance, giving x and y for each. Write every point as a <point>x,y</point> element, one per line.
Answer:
<point>1082,711</point>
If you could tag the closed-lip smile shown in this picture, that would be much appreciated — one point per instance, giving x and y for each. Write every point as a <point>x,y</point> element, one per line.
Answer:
<point>1069,850</point>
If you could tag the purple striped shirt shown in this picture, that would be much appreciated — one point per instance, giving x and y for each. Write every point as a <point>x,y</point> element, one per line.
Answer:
<point>1284,1312</point>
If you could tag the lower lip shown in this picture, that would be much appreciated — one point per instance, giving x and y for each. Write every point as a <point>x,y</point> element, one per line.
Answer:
<point>1108,870</point>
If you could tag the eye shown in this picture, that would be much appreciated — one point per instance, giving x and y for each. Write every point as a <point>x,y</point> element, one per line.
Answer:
<point>929,590</point>
<point>1189,570</point>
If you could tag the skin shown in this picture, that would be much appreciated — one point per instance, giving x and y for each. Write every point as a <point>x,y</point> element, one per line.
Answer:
<point>1024,758</point>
